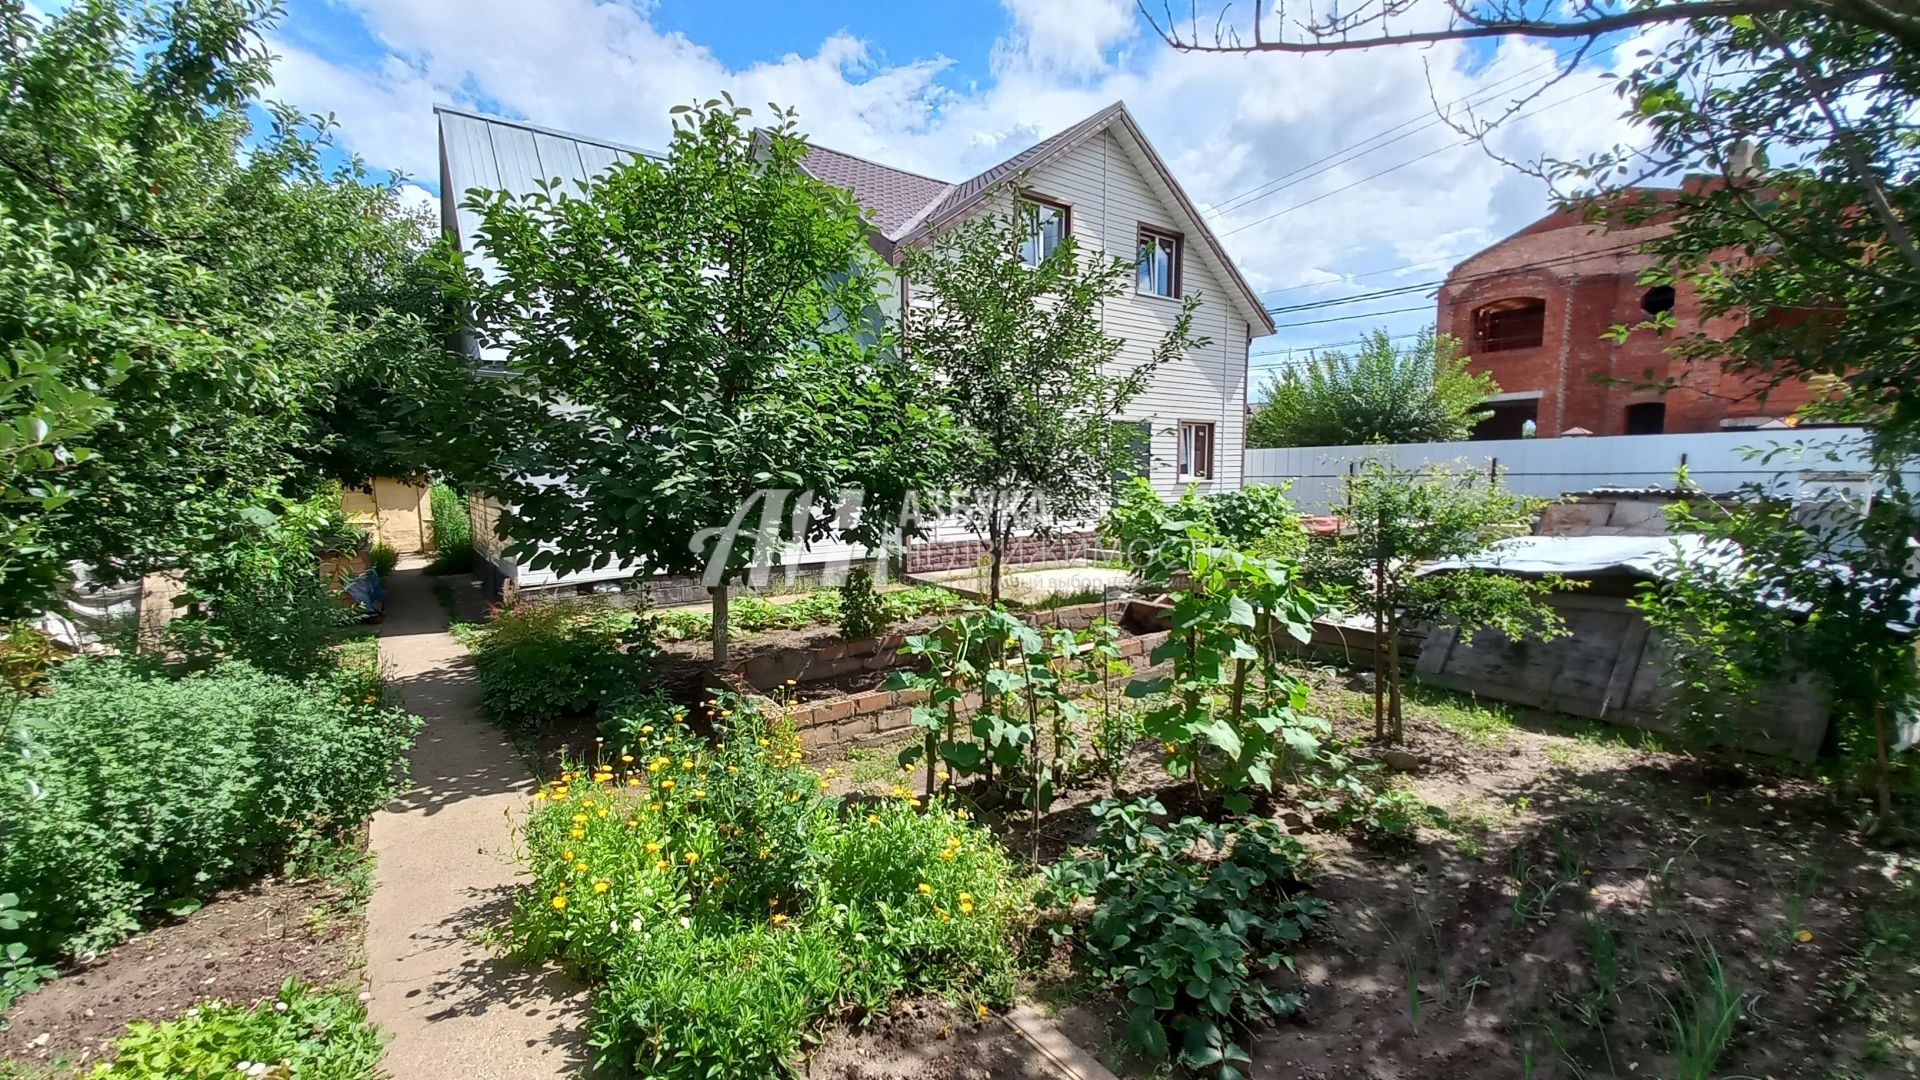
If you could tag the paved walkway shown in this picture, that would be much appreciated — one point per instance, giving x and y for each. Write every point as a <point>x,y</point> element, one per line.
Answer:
<point>456,1010</point>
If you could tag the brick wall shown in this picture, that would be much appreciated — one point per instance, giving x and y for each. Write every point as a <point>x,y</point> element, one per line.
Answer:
<point>963,554</point>
<point>1588,276</point>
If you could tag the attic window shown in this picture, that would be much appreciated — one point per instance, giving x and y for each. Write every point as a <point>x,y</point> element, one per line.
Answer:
<point>1516,323</point>
<point>1047,224</point>
<point>1159,263</point>
<point>1657,300</point>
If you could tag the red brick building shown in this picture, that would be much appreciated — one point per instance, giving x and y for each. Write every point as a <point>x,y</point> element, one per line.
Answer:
<point>1534,310</point>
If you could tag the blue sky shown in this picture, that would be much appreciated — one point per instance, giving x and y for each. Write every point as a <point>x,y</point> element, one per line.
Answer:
<point>948,88</point>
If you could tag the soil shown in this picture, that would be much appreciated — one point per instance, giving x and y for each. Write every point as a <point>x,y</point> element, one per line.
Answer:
<point>1564,843</point>
<point>240,946</point>
<point>928,1040</point>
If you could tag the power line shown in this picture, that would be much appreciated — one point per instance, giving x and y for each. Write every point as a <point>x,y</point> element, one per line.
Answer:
<point>1420,286</point>
<point>1266,188</point>
<point>1350,318</point>
<point>1395,168</point>
<point>1320,347</point>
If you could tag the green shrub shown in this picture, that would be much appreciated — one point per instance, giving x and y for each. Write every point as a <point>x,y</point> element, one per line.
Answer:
<point>1185,934</point>
<point>382,559</point>
<point>19,971</point>
<point>747,614</point>
<point>862,612</point>
<point>261,597</point>
<point>452,531</point>
<point>538,661</point>
<point>123,791</point>
<point>301,1034</point>
<point>1258,518</point>
<point>728,906</point>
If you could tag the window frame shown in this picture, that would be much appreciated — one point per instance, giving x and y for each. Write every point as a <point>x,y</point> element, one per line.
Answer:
<point>1061,207</point>
<point>1179,241</point>
<point>1211,464</point>
<point>1484,315</point>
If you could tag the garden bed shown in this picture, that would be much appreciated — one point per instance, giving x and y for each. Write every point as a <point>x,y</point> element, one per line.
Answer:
<point>241,946</point>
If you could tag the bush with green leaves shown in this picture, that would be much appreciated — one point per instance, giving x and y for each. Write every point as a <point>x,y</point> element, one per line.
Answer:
<point>863,612</point>
<point>1258,519</point>
<point>540,660</point>
<point>727,906</point>
<point>383,559</point>
<point>747,614</point>
<point>19,971</point>
<point>124,792</point>
<point>452,530</point>
<point>1189,919</point>
<point>301,1032</point>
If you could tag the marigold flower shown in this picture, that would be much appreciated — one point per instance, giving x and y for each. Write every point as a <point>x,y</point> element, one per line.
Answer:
<point>633,781</point>
<point>966,907</point>
<point>654,806</point>
<point>601,886</point>
<point>667,784</point>
<point>580,867</point>
<point>873,819</point>
<point>631,822</point>
<point>646,729</point>
<point>699,793</point>
<point>567,855</point>
<point>577,832</point>
<point>925,889</point>
<point>559,901</point>
<point>947,855</point>
<point>691,857</point>
<point>626,759</point>
<point>652,847</point>
<point>662,865</point>
<point>779,920</point>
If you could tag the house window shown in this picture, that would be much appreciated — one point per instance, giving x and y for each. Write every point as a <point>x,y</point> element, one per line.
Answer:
<point>1519,323</point>
<point>1196,451</point>
<point>1647,418</point>
<point>1159,273</point>
<point>1047,225</point>
<point>1657,300</point>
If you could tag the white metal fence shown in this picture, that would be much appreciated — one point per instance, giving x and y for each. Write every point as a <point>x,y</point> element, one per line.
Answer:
<point>1781,459</point>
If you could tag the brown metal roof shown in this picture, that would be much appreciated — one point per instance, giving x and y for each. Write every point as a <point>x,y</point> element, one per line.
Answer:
<point>896,198</point>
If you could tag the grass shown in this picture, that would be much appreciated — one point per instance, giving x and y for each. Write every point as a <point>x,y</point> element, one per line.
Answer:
<point>1699,1016</point>
<point>449,603</point>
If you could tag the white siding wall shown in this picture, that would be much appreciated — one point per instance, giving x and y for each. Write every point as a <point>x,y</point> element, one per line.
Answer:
<point>1112,196</point>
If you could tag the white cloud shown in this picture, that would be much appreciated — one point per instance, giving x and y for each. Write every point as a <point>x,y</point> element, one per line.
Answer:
<point>1224,123</point>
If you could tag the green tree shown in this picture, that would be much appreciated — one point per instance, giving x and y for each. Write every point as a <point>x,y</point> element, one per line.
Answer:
<point>1378,394</point>
<point>1782,588</point>
<point>1029,373</point>
<point>1396,521</point>
<point>210,284</point>
<point>704,339</point>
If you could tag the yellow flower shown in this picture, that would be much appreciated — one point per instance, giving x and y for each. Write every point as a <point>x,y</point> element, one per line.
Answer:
<point>580,867</point>
<point>941,776</point>
<point>925,889</point>
<point>1169,747</point>
<point>646,729</point>
<point>559,901</point>
<point>567,855</point>
<point>577,832</point>
<point>779,920</point>
<point>823,783</point>
<point>631,822</point>
<point>686,763</point>
<point>633,781</point>
<point>654,806</point>
<point>719,878</point>
<point>791,682</point>
<point>873,819</point>
<point>966,907</point>
<point>667,784</point>
<point>773,901</point>
<point>733,768</point>
<point>1803,936</point>
<point>947,855</point>
<point>942,912</point>
<point>652,847</point>
<point>539,796</point>
<point>626,759</point>
<point>699,793</point>
<point>915,803</point>
<point>603,811</point>
<point>691,857</point>
<point>764,852</point>
<point>961,814</point>
<point>900,792</point>
<point>662,865</point>
<point>601,885</point>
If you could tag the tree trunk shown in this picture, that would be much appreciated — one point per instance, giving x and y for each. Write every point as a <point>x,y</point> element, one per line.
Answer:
<point>996,554</point>
<point>1882,782</point>
<point>1394,717</point>
<point>719,593</point>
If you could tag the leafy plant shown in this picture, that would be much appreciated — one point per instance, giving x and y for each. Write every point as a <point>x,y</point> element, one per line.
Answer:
<point>452,530</point>
<point>382,560</point>
<point>1377,394</point>
<point>301,1033</point>
<point>1188,919</point>
<point>540,660</point>
<point>123,792</point>
<point>1700,1016</point>
<point>19,971</point>
<point>726,905</point>
<point>862,613</point>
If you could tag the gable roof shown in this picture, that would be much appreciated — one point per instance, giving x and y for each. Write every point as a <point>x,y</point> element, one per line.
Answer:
<point>908,207</point>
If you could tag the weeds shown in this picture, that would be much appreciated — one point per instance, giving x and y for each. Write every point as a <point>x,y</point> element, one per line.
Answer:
<point>1699,1017</point>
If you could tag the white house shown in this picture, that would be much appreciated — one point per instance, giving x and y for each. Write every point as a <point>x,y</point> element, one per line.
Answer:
<point>1099,180</point>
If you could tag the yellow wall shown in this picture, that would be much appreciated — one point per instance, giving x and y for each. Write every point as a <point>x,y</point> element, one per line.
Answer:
<point>397,512</point>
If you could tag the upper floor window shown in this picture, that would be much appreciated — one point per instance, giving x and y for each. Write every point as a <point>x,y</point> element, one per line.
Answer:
<point>1047,225</point>
<point>1159,273</point>
<point>1519,323</point>
<point>1196,451</point>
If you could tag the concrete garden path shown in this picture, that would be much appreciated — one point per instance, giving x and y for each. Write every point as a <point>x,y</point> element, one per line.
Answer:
<point>455,1008</point>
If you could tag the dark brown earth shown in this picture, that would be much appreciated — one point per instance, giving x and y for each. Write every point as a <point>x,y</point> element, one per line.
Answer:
<point>239,947</point>
<point>928,1040</point>
<point>1564,842</point>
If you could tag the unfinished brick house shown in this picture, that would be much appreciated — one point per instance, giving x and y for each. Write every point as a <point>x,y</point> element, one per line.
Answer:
<point>1534,309</point>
